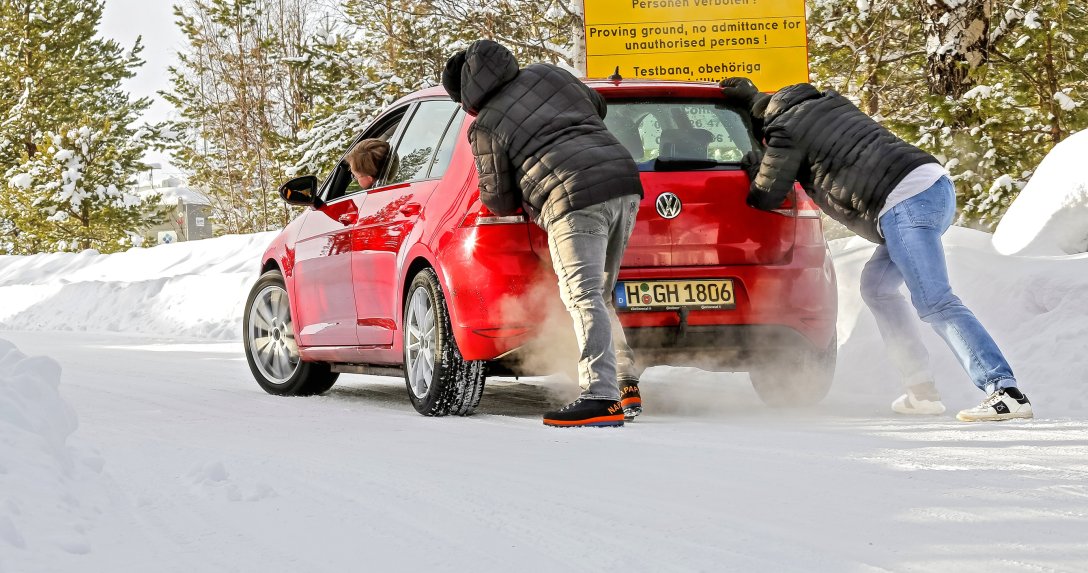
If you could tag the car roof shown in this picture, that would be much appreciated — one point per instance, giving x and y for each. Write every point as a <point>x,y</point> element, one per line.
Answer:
<point>622,88</point>
<point>656,88</point>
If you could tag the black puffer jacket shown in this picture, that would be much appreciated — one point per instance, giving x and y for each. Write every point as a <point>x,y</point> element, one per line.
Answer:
<point>845,161</point>
<point>539,139</point>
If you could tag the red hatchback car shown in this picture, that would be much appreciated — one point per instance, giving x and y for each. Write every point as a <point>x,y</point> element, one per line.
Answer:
<point>415,278</point>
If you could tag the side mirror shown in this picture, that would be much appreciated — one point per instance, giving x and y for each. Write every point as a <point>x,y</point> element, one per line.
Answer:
<point>300,190</point>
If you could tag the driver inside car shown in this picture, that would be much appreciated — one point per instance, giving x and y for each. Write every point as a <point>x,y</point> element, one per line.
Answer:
<point>365,161</point>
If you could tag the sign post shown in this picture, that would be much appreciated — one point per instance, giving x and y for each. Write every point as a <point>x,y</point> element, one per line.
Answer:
<point>698,40</point>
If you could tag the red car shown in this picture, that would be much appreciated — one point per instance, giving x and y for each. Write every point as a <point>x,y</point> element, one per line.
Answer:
<point>415,278</point>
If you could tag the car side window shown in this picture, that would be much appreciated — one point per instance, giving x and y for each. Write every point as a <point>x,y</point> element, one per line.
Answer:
<point>341,183</point>
<point>416,149</point>
<point>445,148</point>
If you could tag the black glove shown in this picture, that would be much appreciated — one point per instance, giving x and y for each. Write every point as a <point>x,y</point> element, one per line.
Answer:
<point>739,91</point>
<point>750,163</point>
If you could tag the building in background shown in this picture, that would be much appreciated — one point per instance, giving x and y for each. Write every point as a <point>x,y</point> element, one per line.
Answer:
<point>186,214</point>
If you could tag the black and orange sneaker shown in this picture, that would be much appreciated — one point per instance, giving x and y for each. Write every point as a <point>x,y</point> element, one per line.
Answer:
<point>630,399</point>
<point>586,412</point>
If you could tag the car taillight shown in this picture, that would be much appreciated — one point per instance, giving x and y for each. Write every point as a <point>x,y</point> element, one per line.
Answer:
<point>798,204</point>
<point>479,215</point>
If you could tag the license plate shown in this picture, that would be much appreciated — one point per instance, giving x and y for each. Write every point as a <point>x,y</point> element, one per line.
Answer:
<point>672,295</point>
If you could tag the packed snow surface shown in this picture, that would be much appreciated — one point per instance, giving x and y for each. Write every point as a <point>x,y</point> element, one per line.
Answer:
<point>1050,215</point>
<point>181,463</point>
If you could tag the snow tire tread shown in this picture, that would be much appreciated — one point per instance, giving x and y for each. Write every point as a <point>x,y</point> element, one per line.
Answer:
<point>458,384</point>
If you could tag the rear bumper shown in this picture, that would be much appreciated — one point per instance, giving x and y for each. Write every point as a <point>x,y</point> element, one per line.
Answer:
<point>800,297</point>
<point>503,300</point>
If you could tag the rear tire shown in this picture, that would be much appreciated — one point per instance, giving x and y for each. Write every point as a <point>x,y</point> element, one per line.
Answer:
<point>271,348</point>
<point>439,380</point>
<point>798,377</point>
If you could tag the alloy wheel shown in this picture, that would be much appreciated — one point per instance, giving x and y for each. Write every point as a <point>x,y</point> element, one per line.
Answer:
<point>420,342</point>
<point>272,335</point>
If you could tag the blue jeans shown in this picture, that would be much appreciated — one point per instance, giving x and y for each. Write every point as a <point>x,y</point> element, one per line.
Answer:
<point>913,253</point>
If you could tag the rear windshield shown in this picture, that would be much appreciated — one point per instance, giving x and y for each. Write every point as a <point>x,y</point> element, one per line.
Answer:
<point>702,134</point>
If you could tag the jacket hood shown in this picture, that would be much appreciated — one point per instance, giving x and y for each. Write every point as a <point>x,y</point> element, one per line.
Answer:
<point>488,67</point>
<point>788,97</point>
<point>451,75</point>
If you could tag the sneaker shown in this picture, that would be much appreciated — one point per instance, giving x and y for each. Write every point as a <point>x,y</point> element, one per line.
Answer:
<point>1005,404</point>
<point>920,400</point>
<point>586,412</point>
<point>630,399</point>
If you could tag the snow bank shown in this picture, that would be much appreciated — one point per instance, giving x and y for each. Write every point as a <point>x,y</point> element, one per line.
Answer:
<point>1050,216</point>
<point>50,494</point>
<point>1035,307</point>
<point>192,289</point>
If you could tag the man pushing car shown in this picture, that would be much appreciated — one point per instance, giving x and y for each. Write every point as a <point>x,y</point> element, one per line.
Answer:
<point>541,145</point>
<point>898,196</point>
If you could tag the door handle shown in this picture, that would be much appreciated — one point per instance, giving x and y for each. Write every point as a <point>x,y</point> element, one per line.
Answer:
<point>410,209</point>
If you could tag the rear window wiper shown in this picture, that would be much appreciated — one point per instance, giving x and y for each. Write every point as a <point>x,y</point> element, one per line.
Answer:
<point>682,164</point>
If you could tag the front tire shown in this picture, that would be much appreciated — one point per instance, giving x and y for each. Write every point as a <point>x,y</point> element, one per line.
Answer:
<point>439,380</point>
<point>799,377</point>
<point>271,349</point>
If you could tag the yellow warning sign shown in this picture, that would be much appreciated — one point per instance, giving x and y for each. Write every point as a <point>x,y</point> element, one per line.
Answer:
<point>698,40</point>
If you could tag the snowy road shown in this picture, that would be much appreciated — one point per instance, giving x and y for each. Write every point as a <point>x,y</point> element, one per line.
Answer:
<point>205,472</point>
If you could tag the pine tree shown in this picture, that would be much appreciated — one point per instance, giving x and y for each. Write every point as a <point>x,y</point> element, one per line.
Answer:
<point>384,49</point>
<point>534,30</point>
<point>67,148</point>
<point>863,49</point>
<point>242,97</point>
<point>359,65</point>
<point>988,86</point>
<point>1031,97</point>
<point>77,198</point>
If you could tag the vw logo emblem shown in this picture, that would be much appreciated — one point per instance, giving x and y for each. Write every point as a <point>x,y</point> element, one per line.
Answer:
<point>668,205</point>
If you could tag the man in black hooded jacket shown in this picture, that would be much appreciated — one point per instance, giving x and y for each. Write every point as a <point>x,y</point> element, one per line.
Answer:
<point>897,196</point>
<point>541,146</point>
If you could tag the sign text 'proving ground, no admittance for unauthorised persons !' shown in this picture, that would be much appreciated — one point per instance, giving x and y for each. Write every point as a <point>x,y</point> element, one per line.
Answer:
<point>701,40</point>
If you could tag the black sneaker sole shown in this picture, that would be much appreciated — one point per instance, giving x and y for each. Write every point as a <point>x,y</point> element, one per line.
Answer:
<point>598,422</point>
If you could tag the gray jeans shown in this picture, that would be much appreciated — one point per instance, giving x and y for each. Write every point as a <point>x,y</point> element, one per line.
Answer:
<point>587,246</point>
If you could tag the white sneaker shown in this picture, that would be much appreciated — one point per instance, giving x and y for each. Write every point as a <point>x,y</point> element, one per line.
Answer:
<point>1005,404</point>
<point>920,400</point>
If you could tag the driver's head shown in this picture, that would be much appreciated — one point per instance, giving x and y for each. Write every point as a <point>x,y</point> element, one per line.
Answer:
<point>366,160</point>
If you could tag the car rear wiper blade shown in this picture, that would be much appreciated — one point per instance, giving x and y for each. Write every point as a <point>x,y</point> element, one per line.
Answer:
<point>682,164</point>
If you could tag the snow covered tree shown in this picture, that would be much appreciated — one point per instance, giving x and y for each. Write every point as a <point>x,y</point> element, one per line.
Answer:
<point>988,86</point>
<point>72,194</point>
<point>380,50</point>
<point>534,30</point>
<point>241,96</point>
<point>1030,98</point>
<point>61,93</point>
<point>959,37</point>
<point>377,51</point>
<point>864,49</point>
